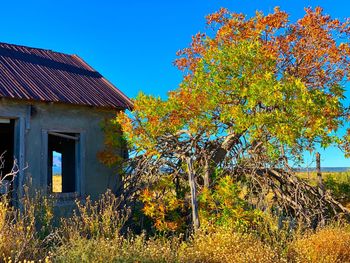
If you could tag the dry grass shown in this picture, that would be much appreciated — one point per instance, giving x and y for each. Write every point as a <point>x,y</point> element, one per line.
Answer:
<point>22,230</point>
<point>219,246</point>
<point>328,245</point>
<point>223,245</point>
<point>93,235</point>
<point>132,249</point>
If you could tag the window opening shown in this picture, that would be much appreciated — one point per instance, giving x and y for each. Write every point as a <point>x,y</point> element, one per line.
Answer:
<point>7,129</point>
<point>62,162</point>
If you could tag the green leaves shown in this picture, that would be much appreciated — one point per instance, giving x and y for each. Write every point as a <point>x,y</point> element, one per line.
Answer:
<point>236,87</point>
<point>258,91</point>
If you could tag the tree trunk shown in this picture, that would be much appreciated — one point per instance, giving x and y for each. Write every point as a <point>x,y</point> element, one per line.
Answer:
<point>318,170</point>
<point>207,172</point>
<point>218,156</point>
<point>225,147</point>
<point>194,203</point>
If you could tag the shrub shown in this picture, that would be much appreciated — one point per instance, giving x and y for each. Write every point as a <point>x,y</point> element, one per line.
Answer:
<point>23,231</point>
<point>223,206</point>
<point>328,245</point>
<point>119,249</point>
<point>223,245</point>
<point>102,218</point>
<point>166,205</point>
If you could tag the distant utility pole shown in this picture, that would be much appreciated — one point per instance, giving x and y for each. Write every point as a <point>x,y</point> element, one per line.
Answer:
<point>318,171</point>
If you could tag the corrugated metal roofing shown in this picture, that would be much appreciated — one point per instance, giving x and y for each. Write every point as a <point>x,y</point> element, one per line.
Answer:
<point>44,75</point>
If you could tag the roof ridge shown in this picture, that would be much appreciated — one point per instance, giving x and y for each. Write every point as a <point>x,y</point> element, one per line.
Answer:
<point>36,48</point>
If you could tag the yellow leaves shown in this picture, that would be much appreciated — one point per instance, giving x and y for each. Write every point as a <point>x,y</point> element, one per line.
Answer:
<point>149,210</point>
<point>225,206</point>
<point>162,225</point>
<point>163,206</point>
<point>114,142</point>
<point>146,195</point>
<point>125,123</point>
<point>108,158</point>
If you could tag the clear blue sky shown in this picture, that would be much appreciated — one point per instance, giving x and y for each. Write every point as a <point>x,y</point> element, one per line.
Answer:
<point>133,43</point>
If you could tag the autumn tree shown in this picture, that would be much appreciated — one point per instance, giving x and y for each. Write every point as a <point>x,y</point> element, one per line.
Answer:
<point>257,92</point>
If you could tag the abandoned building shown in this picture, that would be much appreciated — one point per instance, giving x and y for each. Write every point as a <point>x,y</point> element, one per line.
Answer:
<point>52,106</point>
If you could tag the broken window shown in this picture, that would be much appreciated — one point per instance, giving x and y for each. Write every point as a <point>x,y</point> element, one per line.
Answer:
<point>62,156</point>
<point>7,127</point>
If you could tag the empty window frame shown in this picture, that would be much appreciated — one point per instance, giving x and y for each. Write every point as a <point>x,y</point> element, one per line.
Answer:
<point>62,162</point>
<point>7,131</point>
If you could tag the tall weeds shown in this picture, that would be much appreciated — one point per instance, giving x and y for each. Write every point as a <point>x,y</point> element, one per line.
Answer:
<point>101,219</point>
<point>93,234</point>
<point>23,230</point>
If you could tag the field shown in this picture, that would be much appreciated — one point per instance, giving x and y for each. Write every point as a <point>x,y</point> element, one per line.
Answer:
<point>338,183</point>
<point>57,183</point>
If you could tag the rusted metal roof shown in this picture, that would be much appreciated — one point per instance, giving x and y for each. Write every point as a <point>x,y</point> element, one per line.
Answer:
<point>44,75</point>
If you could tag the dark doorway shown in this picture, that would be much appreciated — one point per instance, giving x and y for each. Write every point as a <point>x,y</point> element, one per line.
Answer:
<point>7,129</point>
<point>62,162</point>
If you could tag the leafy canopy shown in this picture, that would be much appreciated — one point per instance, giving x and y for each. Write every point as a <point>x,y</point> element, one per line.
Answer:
<point>261,77</point>
<point>256,92</point>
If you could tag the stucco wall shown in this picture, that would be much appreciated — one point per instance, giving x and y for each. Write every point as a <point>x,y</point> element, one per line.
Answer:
<point>96,177</point>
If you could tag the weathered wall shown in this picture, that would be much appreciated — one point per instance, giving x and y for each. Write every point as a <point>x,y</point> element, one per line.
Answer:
<point>96,178</point>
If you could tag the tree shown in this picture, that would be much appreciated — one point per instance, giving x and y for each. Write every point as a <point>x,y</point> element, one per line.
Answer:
<point>249,103</point>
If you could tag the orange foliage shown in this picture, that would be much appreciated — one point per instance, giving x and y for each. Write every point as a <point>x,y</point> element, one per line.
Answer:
<point>306,49</point>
